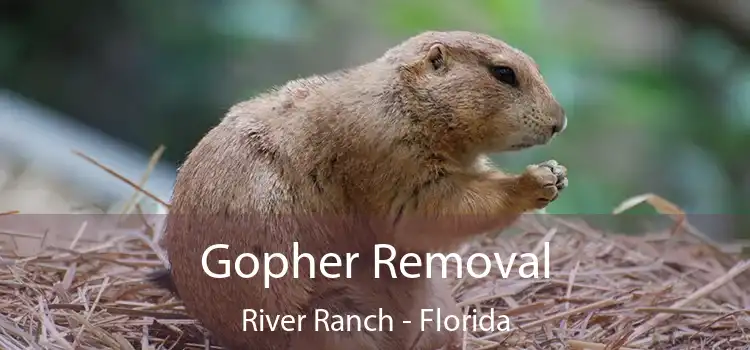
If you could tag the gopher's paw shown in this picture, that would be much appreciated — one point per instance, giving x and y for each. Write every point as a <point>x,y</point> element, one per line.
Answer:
<point>542,183</point>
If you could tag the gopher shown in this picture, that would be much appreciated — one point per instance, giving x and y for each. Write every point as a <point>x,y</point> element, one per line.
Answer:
<point>390,152</point>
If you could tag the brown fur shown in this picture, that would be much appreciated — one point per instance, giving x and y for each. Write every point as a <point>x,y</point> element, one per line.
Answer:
<point>393,152</point>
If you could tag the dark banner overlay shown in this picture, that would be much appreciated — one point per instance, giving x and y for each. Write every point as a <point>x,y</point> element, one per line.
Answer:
<point>539,251</point>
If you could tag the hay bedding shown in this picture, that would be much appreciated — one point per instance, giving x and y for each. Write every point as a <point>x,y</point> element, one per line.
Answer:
<point>664,291</point>
<point>669,290</point>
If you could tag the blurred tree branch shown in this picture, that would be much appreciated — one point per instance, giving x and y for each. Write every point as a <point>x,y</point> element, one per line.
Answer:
<point>732,17</point>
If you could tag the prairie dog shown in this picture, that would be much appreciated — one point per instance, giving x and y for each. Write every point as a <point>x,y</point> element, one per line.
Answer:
<point>389,152</point>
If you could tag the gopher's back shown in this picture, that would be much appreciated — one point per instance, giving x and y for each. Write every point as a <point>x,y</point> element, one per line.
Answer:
<point>224,195</point>
<point>259,181</point>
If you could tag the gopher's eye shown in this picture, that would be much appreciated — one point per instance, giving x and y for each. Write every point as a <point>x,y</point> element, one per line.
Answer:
<point>505,75</point>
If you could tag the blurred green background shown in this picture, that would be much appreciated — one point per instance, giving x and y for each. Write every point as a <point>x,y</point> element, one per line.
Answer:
<point>657,91</point>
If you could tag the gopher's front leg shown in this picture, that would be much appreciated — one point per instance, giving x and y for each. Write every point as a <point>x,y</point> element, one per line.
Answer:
<point>448,209</point>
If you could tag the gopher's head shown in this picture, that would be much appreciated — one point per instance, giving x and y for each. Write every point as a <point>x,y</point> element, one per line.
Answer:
<point>477,91</point>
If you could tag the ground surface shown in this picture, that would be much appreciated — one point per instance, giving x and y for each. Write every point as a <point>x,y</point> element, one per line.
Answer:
<point>661,291</point>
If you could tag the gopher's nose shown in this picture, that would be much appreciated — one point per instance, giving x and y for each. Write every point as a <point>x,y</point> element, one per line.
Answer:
<point>560,126</point>
<point>562,121</point>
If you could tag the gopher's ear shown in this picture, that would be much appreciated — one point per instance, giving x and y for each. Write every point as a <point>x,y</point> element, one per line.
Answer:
<point>436,56</point>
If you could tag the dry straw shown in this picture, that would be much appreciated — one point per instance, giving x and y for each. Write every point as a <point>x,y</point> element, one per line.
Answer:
<point>670,290</point>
